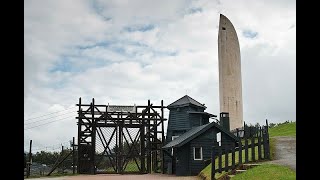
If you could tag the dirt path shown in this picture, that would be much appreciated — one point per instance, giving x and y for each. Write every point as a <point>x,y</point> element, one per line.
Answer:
<point>123,177</point>
<point>285,153</point>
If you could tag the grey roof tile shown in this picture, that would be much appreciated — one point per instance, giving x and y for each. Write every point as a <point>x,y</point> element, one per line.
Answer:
<point>186,100</point>
<point>194,132</point>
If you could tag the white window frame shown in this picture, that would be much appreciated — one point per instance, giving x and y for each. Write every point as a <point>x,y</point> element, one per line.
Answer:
<point>172,138</point>
<point>194,153</point>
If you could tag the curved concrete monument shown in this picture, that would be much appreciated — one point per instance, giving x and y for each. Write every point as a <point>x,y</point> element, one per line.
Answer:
<point>230,88</point>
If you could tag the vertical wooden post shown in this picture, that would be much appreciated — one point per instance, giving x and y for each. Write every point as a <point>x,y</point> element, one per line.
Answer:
<point>93,140</point>
<point>213,164</point>
<point>246,153</point>
<point>259,144</point>
<point>267,140</point>
<point>62,153</point>
<point>73,156</point>
<point>226,155</point>
<point>244,129</point>
<point>120,158</point>
<point>30,159</point>
<point>154,145</point>
<point>264,137</point>
<point>220,160</point>
<point>148,140</point>
<point>233,157</point>
<point>79,130</point>
<point>142,146</point>
<point>252,149</point>
<point>240,152</point>
<point>117,147</point>
<point>162,137</point>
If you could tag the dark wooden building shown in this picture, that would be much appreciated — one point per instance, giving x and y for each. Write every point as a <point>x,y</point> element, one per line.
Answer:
<point>190,137</point>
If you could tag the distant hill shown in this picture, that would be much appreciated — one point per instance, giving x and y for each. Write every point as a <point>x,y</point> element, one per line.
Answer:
<point>284,129</point>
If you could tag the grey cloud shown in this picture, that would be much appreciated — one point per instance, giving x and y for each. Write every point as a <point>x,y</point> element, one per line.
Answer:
<point>137,73</point>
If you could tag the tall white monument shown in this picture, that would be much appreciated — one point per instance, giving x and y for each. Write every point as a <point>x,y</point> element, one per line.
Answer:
<point>230,88</point>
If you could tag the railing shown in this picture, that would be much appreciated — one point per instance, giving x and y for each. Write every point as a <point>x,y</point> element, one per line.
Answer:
<point>234,156</point>
<point>249,131</point>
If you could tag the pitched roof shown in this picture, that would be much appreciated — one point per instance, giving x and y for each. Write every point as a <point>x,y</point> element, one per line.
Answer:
<point>186,100</point>
<point>195,132</point>
<point>204,113</point>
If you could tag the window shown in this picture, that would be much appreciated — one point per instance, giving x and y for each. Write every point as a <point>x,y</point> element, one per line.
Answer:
<point>197,153</point>
<point>172,138</point>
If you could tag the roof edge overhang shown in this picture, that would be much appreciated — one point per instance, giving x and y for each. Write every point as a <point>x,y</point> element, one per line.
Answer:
<point>203,113</point>
<point>184,105</point>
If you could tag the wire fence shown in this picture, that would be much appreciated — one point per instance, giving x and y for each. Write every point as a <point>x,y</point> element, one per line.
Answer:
<point>41,161</point>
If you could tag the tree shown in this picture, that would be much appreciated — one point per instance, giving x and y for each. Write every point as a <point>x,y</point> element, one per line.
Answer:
<point>271,125</point>
<point>50,158</point>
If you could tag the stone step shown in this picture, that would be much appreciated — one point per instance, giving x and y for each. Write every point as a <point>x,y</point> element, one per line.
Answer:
<point>252,164</point>
<point>248,166</point>
<point>240,170</point>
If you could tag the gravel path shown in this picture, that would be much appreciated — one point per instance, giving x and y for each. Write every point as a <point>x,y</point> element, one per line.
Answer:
<point>285,152</point>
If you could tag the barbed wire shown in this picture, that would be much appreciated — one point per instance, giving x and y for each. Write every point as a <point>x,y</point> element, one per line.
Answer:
<point>46,118</point>
<point>48,114</point>
<point>48,123</point>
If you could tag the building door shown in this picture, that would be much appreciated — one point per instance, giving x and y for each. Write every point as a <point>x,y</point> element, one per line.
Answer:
<point>182,161</point>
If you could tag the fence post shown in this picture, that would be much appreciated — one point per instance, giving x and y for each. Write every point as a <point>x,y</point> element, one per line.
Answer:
<point>142,146</point>
<point>240,152</point>
<point>267,140</point>
<point>264,138</point>
<point>62,153</point>
<point>220,160</point>
<point>253,149</point>
<point>259,144</point>
<point>244,129</point>
<point>30,159</point>
<point>233,156</point>
<point>73,157</point>
<point>213,164</point>
<point>246,153</point>
<point>226,155</point>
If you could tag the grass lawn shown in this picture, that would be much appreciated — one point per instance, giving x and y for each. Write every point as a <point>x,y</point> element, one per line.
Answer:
<point>267,172</point>
<point>288,129</point>
<point>131,167</point>
<point>272,143</point>
<point>206,172</point>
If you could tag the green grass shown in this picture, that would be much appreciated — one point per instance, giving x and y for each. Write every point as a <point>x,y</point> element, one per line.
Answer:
<point>131,166</point>
<point>206,172</point>
<point>52,175</point>
<point>267,172</point>
<point>272,143</point>
<point>288,129</point>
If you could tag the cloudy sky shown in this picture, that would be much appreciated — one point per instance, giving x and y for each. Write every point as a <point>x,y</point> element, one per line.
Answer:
<point>125,52</point>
